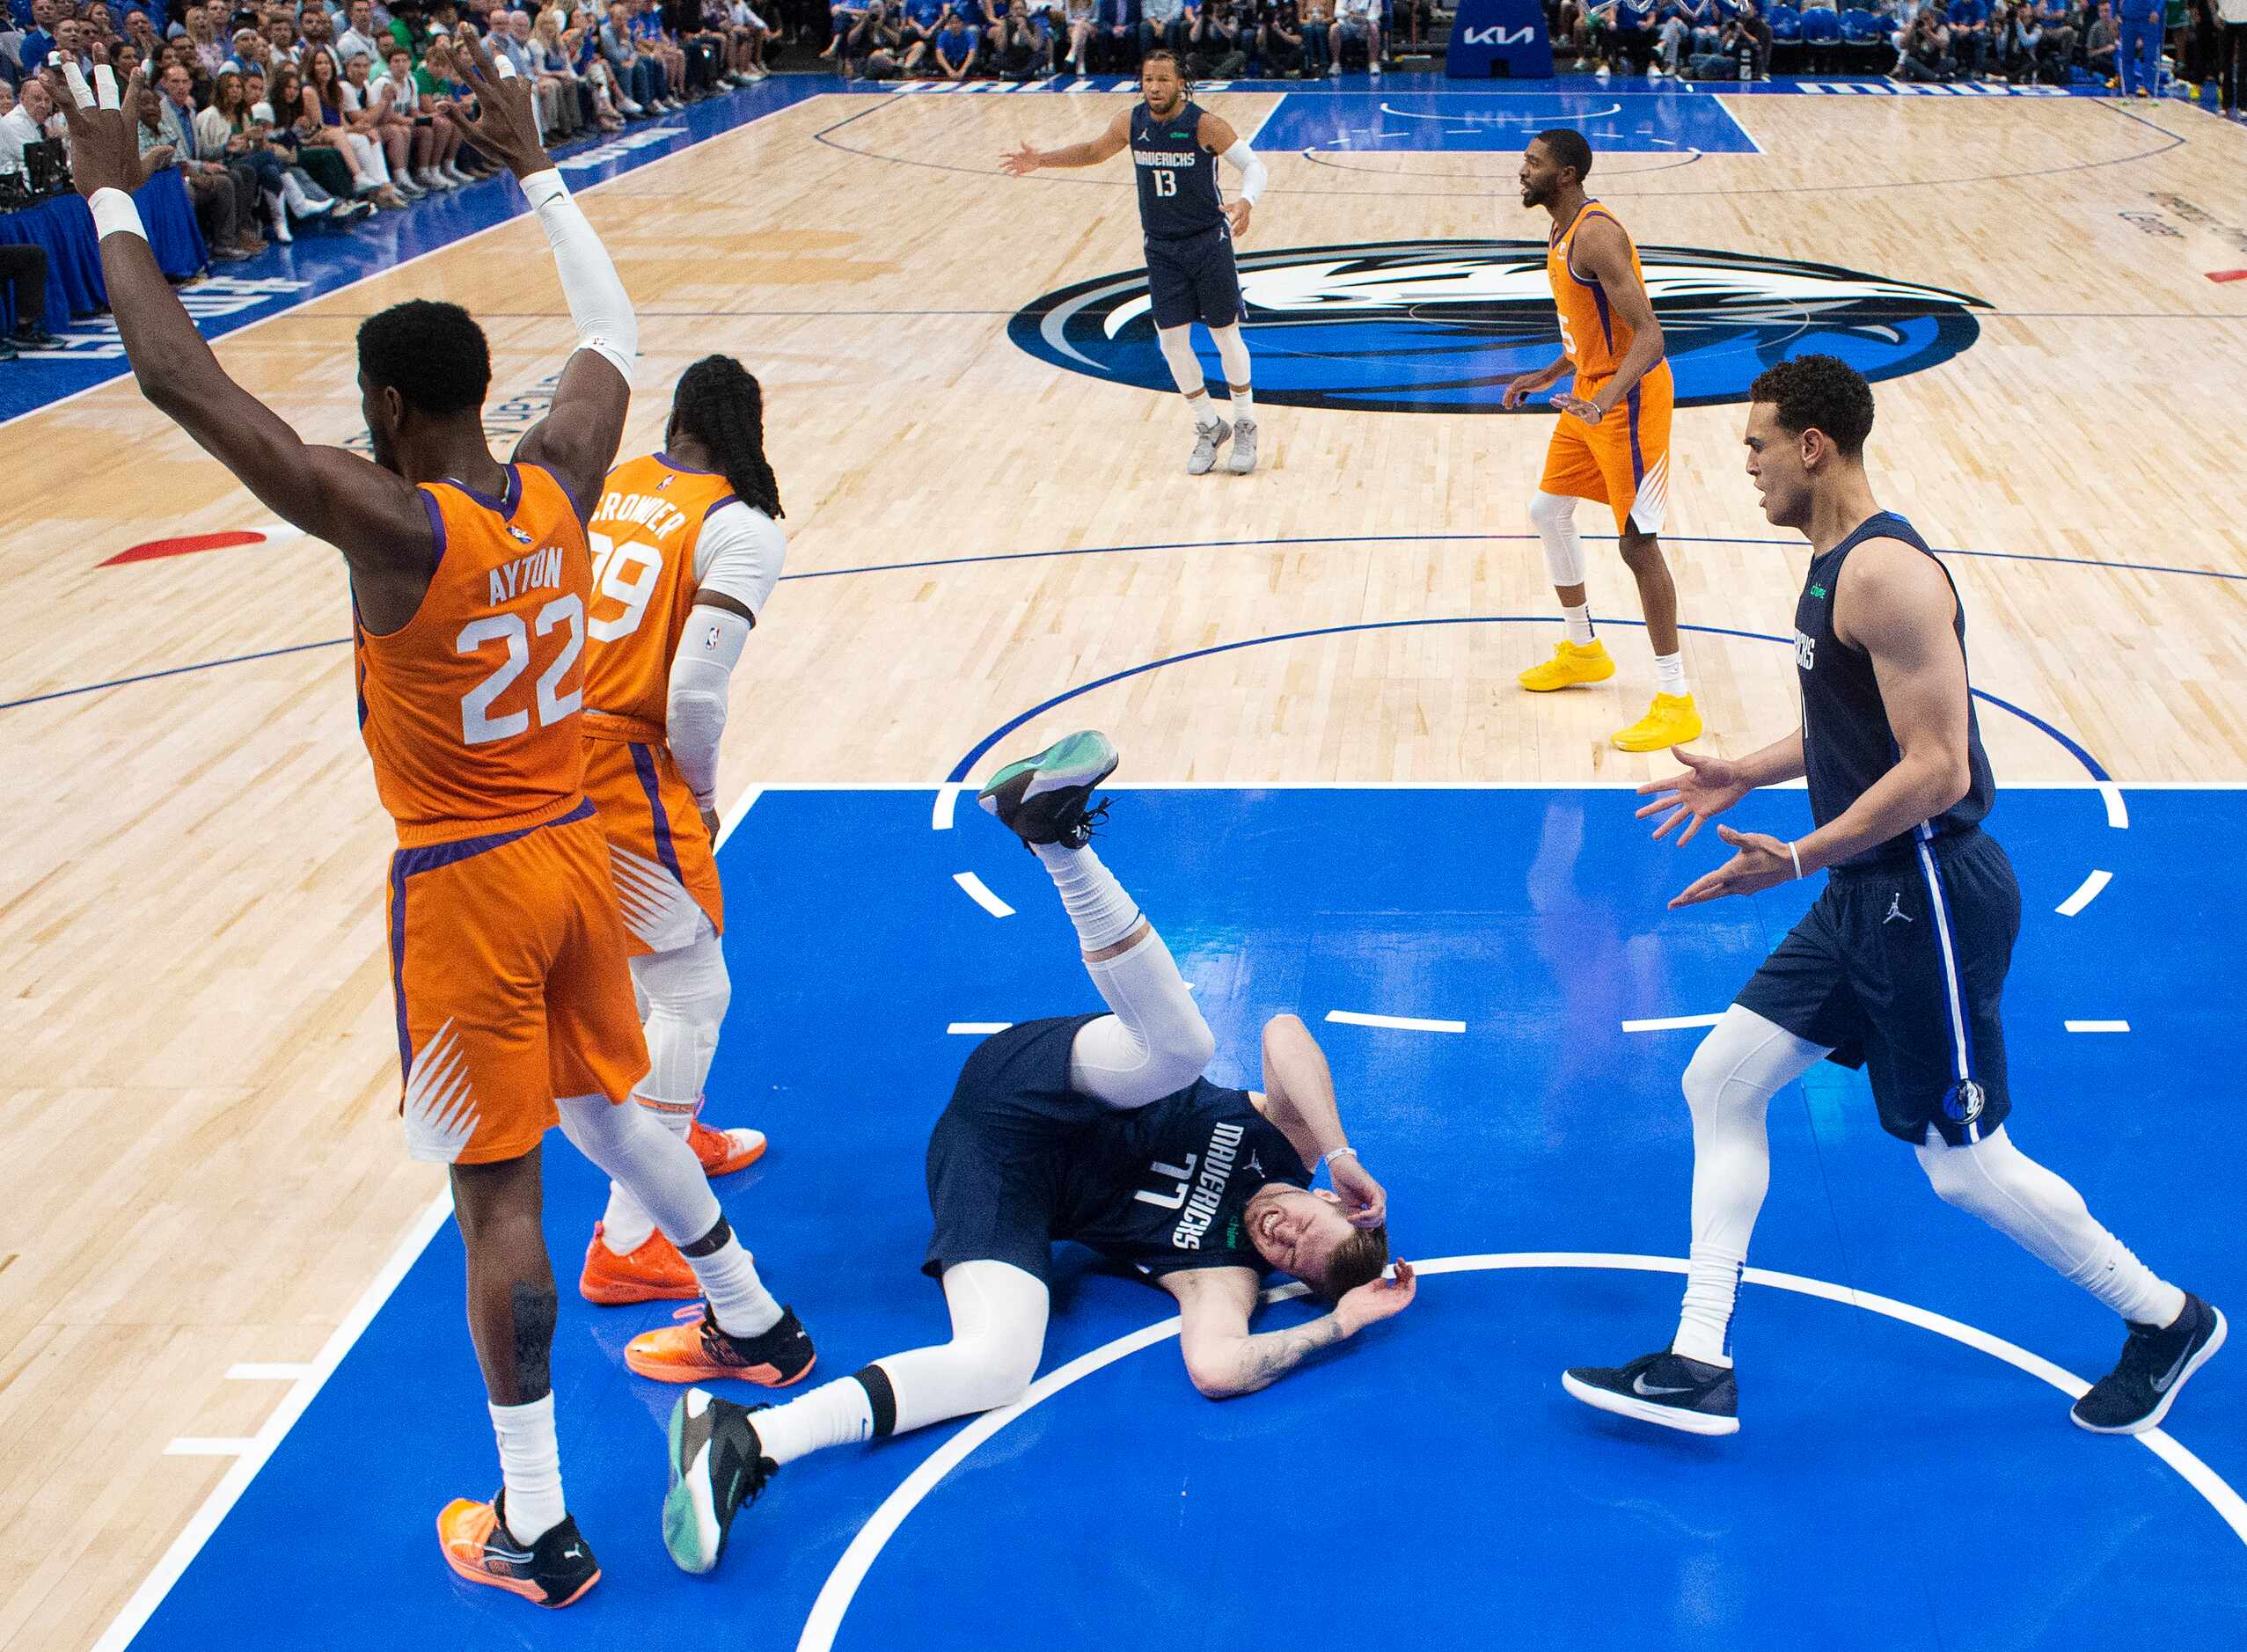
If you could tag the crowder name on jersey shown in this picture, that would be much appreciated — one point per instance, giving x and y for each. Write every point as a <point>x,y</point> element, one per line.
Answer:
<point>658,516</point>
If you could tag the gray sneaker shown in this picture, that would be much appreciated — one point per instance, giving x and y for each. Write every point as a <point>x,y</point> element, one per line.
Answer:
<point>1214,434</point>
<point>1244,447</point>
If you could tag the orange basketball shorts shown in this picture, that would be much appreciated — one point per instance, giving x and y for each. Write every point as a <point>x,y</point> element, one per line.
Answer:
<point>507,963</point>
<point>659,850</point>
<point>1624,460</point>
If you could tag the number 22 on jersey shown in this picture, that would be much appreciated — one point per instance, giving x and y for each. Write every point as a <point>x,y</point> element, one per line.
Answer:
<point>478,724</point>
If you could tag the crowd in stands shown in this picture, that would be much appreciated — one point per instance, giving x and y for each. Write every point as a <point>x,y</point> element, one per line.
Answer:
<point>2021,41</point>
<point>1014,39</point>
<point>280,116</point>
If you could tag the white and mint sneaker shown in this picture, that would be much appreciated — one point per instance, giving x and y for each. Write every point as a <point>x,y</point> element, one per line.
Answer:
<point>1043,799</point>
<point>1244,447</point>
<point>1213,434</point>
<point>718,1467</point>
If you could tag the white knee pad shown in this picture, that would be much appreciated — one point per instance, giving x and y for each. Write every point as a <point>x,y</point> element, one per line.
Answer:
<point>683,996</point>
<point>998,1313</point>
<point>1233,350</point>
<point>1154,1045</point>
<point>654,1165</point>
<point>1554,516</point>
<point>1185,367</point>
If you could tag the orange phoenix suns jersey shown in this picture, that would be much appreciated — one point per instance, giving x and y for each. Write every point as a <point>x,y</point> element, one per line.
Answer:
<point>470,709</point>
<point>1595,339</point>
<point>644,535</point>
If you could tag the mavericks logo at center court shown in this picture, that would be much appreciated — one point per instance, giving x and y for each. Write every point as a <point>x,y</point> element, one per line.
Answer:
<point>1439,326</point>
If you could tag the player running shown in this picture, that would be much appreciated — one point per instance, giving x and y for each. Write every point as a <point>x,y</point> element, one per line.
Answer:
<point>1190,230</point>
<point>1098,1129</point>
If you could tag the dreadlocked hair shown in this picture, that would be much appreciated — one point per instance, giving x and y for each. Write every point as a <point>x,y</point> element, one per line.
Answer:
<point>719,404</point>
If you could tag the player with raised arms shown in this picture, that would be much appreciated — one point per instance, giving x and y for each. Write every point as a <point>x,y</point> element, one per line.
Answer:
<point>1190,229</point>
<point>470,581</point>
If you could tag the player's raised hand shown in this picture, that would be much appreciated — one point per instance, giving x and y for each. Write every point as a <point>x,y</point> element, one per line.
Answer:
<point>1023,162</point>
<point>1237,212</point>
<point>1709,786</point>
<point>1363,1199</point>
<point>1587,410</point>
<point>1378,1299</point>
<point>506,126</point>
<point>104,138</point>
<point>1759,862</point>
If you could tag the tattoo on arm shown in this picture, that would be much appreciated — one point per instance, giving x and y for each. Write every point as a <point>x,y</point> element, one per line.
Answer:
<point>1265,1359</point>
<point>534,1340</point>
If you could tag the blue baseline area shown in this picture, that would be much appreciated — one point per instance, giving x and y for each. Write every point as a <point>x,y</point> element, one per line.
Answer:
<point>1891,1490</point>
<point>1482,122</point>
<point>317,263</point>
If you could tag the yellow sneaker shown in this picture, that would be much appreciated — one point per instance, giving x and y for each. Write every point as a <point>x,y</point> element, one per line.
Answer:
<point>1569,666</point>
<point>1671,720</point>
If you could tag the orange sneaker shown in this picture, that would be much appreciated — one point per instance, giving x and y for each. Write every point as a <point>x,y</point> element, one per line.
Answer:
<point>554,1571</point>
<point>654,1273</point>
<point>722,1152</point>
<point>691,1353</point>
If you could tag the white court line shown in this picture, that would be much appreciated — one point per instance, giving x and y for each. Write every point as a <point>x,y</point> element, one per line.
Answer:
<point>981,895</point>
<point>940,817</point>
<point>1408,1023</point>
<point>1671,1023</point>
<point>2118,812</point>
<point>2085,894</point>
<point>2097,1026</point>
<point>842,1584</point>
<point>145,1599</point>
<point>972,1027</point>
<point>202,1446</point>
<point>742,805</point>
<point>253,1372</point>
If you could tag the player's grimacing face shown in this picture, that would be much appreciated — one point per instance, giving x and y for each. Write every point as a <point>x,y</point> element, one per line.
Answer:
<point>1296,1231</point>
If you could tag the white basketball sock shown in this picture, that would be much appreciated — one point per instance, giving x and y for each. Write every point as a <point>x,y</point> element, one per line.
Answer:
<point>1244,402</point>
<point>738,1299</point>
<point>530,1467</point>
<point>833,1413</point>
<point>1579,625</point>
<point>1670,676</point>
<point>1095,903</point>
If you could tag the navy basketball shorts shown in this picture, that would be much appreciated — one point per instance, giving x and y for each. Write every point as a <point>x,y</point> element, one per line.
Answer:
<point>994,1184</point>
<point>1898,969</point>
<point>1193,279</point>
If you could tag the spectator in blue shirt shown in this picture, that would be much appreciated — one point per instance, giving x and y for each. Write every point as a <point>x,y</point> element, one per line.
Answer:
<point>2057,21</point>
<point>1968,21</point>
<point>2139,58</point>
<point>955,50</point>
<point>39,40</point>
<point>1163,23</point>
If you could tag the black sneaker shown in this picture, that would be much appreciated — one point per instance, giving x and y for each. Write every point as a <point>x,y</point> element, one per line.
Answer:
<point>2156,1362</point>
<point>1041,799</point>
<point>1663,1388</point>
<point>694,1352</point>
<point>718,1468</point>
<point>554,1571</point>
<point>31,338</point>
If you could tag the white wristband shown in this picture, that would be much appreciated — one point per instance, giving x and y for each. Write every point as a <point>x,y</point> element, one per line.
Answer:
<point>114,214</point>
<point>1794,855</point>
<point>1339,1153</point>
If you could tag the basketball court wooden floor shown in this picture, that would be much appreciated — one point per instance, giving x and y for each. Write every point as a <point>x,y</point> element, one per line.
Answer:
<point>993,541</point>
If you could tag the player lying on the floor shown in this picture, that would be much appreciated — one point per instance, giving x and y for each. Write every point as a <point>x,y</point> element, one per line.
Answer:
<point>1098,1129</point>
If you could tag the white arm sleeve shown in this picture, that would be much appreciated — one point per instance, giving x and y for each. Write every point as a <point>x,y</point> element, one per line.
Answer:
<point>739,553</point>
<point>701,672</point>
<point>1251,168</point>
<point>597,301</point>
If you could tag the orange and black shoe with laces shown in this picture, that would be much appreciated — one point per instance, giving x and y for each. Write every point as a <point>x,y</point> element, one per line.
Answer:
<point>554,1571</point>
<point>694,1352</point>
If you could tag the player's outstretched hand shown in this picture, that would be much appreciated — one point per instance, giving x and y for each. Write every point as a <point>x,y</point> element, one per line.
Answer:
<point>1237,212</point>
<point>1709,786</point>
<point>506,126</point>
<point>1587,410</point>
<point>1363,1200</point>
<point>1021,162</point>
<point>104,141</point>
<point>1759,862</point>
<point>1522,386</point>
<point>1379,1299</point>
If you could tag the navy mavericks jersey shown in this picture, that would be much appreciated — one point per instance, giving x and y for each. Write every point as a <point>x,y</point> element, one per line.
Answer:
<point>1847,743</point>
<point>1161,1187</point>
<point>1177,177</point>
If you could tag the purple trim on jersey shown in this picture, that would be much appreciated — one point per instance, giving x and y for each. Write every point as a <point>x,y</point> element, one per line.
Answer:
<point>1600,299</point>
<point>436,530</point>
<point>1637,459</point>
<point>644,762</point>
<point>668,463</point>
<point>397,967</point>
<point>505,505</point>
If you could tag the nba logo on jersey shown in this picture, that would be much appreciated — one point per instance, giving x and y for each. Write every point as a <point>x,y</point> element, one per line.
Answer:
<point>517,531</point>
<point>665,483</point>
